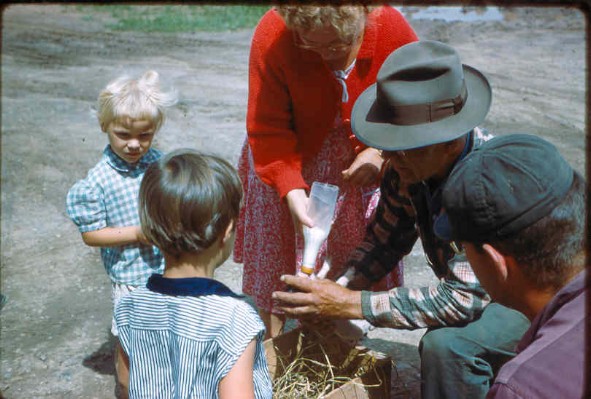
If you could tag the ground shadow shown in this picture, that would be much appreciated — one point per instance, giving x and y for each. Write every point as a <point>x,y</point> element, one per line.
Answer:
<point>101,361</point>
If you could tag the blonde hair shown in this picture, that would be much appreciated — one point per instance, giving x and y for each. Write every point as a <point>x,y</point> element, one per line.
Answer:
<point>346,20</point>
<point>139,98</point>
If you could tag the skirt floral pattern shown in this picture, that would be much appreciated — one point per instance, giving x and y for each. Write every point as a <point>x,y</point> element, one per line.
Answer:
<point>265,240</point>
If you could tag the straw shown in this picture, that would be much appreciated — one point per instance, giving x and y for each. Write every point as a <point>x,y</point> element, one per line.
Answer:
<point>319,366</point>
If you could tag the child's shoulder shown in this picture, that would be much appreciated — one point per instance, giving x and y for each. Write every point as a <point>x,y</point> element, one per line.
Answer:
<point>144,298</point>
<point>128,304</point>
<point>238,307</point>
<point>100,168</point>
<point>95,175</point>
<point>228,307</point>
<point>241,323</point>
<point>101,165</point>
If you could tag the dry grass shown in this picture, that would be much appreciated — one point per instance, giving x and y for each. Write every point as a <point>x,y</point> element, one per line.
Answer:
<point>319,366</point>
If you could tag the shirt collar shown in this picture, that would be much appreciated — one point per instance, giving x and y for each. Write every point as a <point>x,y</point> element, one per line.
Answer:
<point>119,164</point>
<point>193,286</point>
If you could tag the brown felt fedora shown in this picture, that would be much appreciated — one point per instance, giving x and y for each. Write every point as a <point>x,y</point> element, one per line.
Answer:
<point>423,95</point>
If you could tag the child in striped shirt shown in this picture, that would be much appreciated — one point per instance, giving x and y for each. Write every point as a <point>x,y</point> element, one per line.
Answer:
<point>104,204</point>
<point>186,334</point>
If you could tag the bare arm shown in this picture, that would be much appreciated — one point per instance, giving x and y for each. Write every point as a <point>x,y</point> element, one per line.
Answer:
<point>114,236</point>
<point>274,144</point>
<point>238,383</point>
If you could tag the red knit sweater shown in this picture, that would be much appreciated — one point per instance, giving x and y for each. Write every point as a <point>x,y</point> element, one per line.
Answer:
<point>294,97</point>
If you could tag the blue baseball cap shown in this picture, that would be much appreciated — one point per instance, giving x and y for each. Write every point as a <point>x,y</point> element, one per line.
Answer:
<point>503,186</point>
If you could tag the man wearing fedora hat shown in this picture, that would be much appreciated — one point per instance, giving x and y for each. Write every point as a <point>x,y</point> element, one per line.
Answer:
<point>517,208</point>
<point>423,114</point>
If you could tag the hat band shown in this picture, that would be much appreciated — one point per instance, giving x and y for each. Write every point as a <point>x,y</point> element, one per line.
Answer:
<point>417,114</point>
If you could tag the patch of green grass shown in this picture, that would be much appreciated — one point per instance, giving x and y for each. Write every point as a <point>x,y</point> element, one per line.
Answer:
<point>178,18</point>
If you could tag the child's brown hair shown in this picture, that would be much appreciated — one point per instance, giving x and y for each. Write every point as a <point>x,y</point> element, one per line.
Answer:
<point>187,201</point>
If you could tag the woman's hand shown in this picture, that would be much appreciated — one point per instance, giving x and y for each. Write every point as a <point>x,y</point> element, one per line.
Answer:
<point>365,169</point>
<point>297,202</point>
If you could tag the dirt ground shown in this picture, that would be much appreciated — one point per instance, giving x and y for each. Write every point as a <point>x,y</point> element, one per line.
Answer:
<point>55,340</point>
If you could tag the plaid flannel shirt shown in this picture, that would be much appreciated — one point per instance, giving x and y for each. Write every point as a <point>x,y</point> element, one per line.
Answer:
<point>108,197</point>
<point>403,215</point>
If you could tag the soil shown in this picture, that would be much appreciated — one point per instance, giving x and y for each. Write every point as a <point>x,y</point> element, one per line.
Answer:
<point>55,322</point>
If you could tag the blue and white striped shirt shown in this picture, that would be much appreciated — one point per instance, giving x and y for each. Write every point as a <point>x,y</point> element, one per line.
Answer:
<point>108,197</point>
<point>184,335</point>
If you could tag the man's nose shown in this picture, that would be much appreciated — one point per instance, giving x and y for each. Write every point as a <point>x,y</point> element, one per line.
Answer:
<point>133,144</point>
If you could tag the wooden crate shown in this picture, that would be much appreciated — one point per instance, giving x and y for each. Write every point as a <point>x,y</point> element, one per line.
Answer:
<point>372,383</point>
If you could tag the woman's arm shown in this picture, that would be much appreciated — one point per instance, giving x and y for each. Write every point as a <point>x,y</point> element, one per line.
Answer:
<point>269,118</point>
<point>238,383</point>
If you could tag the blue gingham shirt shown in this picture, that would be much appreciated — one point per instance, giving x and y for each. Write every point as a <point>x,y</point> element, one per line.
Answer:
<point>108,197</point>
<point>184,335</point>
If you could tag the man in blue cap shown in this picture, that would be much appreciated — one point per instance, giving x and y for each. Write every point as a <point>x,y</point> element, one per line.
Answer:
<point>423,114</point>
<point>517,207</point>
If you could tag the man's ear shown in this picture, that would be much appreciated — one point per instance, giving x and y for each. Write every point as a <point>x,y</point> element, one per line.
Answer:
<point>498,260</point>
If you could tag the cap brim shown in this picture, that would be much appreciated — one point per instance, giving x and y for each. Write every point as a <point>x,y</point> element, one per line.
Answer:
<point>388,136</point>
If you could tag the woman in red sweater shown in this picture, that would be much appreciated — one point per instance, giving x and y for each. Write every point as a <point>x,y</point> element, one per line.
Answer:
<point>308,64</point>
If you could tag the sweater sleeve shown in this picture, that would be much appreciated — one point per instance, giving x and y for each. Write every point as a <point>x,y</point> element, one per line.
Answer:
<point>457,298</point>
<point>269,119</point>
<point>86,206</point>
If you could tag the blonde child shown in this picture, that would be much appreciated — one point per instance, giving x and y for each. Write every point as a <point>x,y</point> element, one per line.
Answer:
<point>186,334</point>
<point>104,204</point>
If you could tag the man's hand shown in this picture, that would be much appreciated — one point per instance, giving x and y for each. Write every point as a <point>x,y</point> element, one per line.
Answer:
<point>322,298</point>
<point>365,169</point>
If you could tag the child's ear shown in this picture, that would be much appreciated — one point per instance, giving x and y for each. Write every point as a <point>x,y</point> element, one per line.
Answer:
<point>229,232</point>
